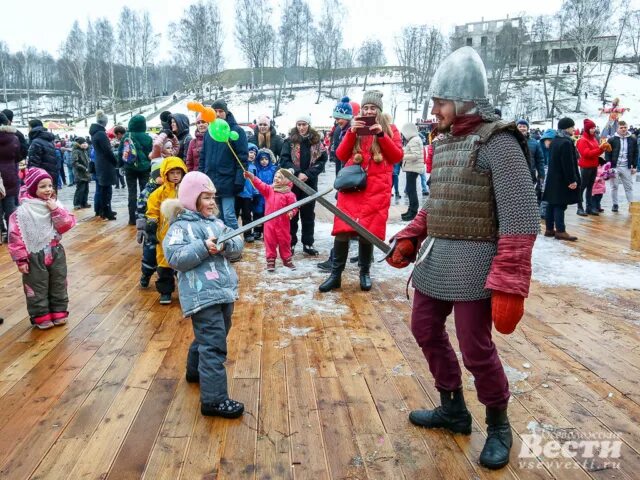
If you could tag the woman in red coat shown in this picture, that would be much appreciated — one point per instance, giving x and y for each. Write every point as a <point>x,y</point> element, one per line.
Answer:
<point>376,153</point>
<point>588,162</point>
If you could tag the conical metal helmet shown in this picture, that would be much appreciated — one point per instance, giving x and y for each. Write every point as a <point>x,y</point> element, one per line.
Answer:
<point>461,76</point>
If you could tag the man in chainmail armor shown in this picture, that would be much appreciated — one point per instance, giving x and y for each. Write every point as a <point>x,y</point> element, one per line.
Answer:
<point>471,243</point>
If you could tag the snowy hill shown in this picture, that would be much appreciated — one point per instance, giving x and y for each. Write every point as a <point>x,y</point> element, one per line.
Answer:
<point>524,95</point>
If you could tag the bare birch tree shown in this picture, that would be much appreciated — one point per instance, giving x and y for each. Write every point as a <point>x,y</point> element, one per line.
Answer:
<point>199,31</point>
<point>633,32</point>
<point>370,54</point>
<point>584,22</point>
<point>74,56</point>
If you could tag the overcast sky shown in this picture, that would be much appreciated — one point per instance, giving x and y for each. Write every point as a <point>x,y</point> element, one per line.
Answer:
<point>45,24</point>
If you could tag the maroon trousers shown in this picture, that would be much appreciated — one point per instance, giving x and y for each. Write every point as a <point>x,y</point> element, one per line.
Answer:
<point>479,354</point>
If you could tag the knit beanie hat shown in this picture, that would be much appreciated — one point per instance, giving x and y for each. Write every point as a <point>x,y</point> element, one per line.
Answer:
<point>220,104</point>
<point>155,167</point>
<point>522,121</point>
<point>343,109</point>
<point>3,119</point>
<point>304,117</point>
<point>565,123</point>
<point>101,118</point>
<point>252,146</point>
<point>80,140</point>
<point>264,119</point>
<point>8,113</point>
<point>33,177</point>
<point>192,185</point>
<point>588,124</point>
<point>372,97</point>
<point>355,107</point>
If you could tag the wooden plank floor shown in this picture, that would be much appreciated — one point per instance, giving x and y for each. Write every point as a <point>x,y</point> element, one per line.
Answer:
<point>327,381</point>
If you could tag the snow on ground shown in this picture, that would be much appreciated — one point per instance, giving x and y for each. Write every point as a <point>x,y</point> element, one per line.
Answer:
<point>556,263</point>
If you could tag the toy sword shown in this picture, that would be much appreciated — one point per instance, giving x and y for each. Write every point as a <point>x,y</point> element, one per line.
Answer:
<point>246,228</point>
<point>360,230</point>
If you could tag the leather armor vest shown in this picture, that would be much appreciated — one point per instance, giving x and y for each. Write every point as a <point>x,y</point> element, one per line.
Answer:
<point>461,203</point>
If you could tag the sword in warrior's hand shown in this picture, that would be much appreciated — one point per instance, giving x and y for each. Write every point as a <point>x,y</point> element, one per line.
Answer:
<point>360,230</point>
<point>246,228</point>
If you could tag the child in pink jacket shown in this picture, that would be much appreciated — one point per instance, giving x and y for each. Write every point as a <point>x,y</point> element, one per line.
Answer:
<point>35,231</point>
<point>600,184</point>
<point>277,234</point>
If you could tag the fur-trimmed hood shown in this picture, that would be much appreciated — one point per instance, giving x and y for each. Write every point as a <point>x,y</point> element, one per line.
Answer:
<point>171,208</point>
<point>8,129</point>
<point>313,136</point>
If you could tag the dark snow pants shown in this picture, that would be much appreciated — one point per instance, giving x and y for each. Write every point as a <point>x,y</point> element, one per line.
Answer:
<point>208,351</point>
<point>45,286</point>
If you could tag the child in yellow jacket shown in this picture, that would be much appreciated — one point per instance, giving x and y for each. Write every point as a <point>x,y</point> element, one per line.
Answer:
<point>172,171</point>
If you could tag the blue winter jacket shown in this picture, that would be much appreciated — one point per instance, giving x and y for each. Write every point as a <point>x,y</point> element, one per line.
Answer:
<point>265,174</point>
<point>219,163</point>
<point>203,279</point>
<point>249,190</point>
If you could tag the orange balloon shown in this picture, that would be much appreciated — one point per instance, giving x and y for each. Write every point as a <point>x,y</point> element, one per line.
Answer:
<point>195,106</point>
<point>209,115</point>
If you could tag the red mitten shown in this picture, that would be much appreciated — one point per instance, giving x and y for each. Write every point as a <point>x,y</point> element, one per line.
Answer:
<point>506,310</point>
<point>403,251</point>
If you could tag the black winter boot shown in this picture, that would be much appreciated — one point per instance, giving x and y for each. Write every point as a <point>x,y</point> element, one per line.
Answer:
<point>365,254</point>
<point>327,264</point>
<point>452,414</point>
<point>495,453</point>
<point>340,254</point>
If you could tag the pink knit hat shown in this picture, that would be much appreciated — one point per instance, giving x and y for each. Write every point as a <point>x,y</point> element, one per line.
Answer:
<point>32,179</point>
<point>191,186</point>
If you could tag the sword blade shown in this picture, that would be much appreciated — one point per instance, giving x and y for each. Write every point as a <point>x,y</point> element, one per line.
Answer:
<point>360,230</point>
<point>266,218</point>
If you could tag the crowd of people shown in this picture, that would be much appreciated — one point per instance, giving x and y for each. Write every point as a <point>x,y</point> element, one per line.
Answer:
<point>490,181</point>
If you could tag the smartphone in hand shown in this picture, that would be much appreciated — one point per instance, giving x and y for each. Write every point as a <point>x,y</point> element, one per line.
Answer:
<point>369,121</point>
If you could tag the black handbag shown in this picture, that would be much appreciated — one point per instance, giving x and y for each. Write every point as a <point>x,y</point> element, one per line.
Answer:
<point>351,179</point>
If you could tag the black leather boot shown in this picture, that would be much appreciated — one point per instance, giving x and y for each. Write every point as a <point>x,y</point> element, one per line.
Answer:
<point>452,414</point>
<point>340,254</point>
<point>327,265</point>
<point>495,453</point>
<point>365,254</point>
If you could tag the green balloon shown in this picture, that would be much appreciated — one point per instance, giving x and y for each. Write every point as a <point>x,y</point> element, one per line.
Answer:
<point>219,130</point>
<point>234,135</point>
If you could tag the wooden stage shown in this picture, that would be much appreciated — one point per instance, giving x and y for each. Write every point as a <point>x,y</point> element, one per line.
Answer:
<point>328,382</point>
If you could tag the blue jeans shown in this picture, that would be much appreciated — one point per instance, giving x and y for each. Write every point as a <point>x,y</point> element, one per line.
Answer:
<point>555,216</point>
<point>208,351</point>
<point>227,206</point>
<point>396,178</point>
<point>423,182</point>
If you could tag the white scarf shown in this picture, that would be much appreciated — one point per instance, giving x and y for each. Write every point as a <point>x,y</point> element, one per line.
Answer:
<point>35,224</point>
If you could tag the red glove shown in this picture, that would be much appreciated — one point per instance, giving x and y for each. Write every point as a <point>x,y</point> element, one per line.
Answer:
<point>506,310</point>
<point>403,251</point>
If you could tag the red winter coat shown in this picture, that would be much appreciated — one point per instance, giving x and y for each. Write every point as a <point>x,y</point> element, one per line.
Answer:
<point>589,150</point>
<point>370,207</point>
<point>193,154</point>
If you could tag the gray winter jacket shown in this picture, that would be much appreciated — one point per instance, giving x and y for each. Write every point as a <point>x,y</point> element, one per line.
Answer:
<point>203,279</point>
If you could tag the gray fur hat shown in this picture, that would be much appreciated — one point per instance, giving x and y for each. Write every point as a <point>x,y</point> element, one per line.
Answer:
<point>101,118</point>
<point>372,97</point>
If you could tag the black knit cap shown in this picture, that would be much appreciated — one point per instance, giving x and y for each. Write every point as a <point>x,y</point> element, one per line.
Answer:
<point>164,116</point>
<point>8,113</point>
<point>3,119</point>
<point>220,104</point>
<point>565,123</point>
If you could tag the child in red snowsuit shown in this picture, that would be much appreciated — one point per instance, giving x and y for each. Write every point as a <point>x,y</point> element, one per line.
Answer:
<point>277,234</point>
